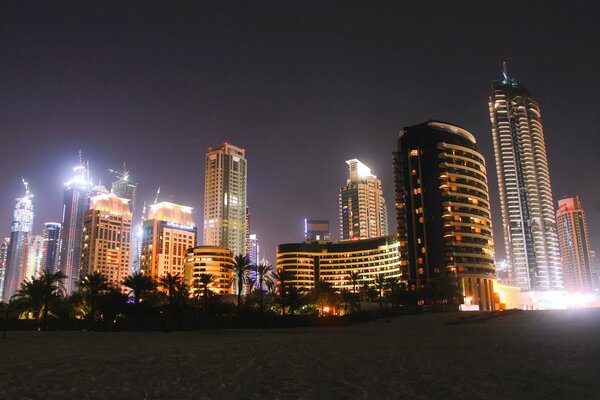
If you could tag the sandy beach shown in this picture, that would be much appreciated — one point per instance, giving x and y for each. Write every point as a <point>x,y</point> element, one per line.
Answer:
<point>533,355</point>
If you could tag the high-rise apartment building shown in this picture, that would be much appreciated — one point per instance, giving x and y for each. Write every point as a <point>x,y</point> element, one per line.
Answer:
<point>316,230</point>
<point>107,238</point>
<point>443,211</point>
<point>577,262</point>
<point>125,188</point>
<point>225,205</point>
<point>363,213</point>
<point>168,233</point>
<point>35,251</point>
<point>3,255</point>
<point>528,218</point>
<point>51,247</point>
<point>20,230</point>
<point>75,204</point>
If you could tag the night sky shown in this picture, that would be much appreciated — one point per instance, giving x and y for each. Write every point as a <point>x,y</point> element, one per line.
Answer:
<point>302,85</point>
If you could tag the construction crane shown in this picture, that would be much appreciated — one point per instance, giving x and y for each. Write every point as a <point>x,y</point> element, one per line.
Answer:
<point>124,175</point>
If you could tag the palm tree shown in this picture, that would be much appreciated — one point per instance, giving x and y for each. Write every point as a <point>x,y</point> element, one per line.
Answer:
<point>241,266</point>
<point>262,277</point>
<point>295,299</point>
<point>354,278</point>
<point>281,277</point>
<point>139,285</point>
<point>91,285</point>
<point>393,283</point>
<point>380,284</point>
<point>30,298</point>
<point>203,282</point>
<point>53,289</point>
<point>323,294</point>
<point>170,283</point>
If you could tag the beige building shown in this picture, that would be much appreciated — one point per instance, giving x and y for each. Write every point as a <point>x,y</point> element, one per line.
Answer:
<point>217,261</point>
<point>168,232</point>
<point>577,260</point>
<point>363,213</point>
<point>106,246</point>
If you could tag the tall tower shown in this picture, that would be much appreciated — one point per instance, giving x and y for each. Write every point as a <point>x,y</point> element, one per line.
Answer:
<point>363,214</point>
<point>75,203</point>
<point>3,256</point>
<point>528,218</point>
<point>443,210</point>
<point>51,246</point>
<point>225,198</point>
<point>125,188</point>
<point>33,265</point>
<point>577,261</point>
<point>167,235</point>
<point>107,238</point>
<point>20,230</point>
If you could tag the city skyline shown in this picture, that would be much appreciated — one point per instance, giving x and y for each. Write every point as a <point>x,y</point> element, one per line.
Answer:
<point>365,96</point>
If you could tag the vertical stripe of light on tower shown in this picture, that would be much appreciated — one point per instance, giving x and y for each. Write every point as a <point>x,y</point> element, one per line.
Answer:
<point>528,218</point>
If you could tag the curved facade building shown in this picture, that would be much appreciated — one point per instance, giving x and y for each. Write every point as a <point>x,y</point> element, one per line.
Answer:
<point>306,263</point>
<point>528,218</point>
<point>443,210</point>
<point>214,260</point>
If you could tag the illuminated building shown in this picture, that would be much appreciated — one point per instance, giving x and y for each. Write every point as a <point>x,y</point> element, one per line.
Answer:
<point>316,230</point>
<point>168,232</point>
<point>363,213</point>
<point>443,210</point>
<point>33,264</point>
<point>3,256</point>
<point>577,261</point>
<point>528,218</point>
<point>225,204</point>
<point>308,262</point>
<point>51,246</point>
<point>125,188</point>
<point>75,203</point>
<point>16,256</point>
<point>107,238</point>
<point>217,261</point>
<point>254,253</point>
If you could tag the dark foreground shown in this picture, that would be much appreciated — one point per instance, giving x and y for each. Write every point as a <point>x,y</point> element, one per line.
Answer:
<point>533,355</point>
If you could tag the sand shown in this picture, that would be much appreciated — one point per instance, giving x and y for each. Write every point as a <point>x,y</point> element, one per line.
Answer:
<point>526,355</point>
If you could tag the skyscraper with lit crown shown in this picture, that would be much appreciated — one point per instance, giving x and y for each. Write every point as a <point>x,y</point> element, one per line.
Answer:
<point>363,213</point>
<point>528,218</point>
<point>75,203</point>
<point>225,205</point>
<point>20,230</point>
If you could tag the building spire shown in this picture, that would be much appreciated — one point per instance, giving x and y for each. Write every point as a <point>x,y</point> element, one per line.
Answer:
<point>504,71</point>
<point>26,184</point>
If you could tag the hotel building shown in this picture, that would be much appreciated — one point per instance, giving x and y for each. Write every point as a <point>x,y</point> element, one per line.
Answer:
<point>528,218</point>
<point>363,214</point>
<point>577,261</point>
<point>107,238</point>
<point>309,262</point>
<point>167,234</point>
<point>316,230</point>
<point>213,260</point>
<point>443,210</point>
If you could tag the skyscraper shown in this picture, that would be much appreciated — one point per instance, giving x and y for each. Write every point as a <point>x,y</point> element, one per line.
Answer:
<point>254,253</point>
<point>528,218</point>
<point>225,198</point>
<point>125,188</point>
<point>107,238</point>
<point>19,239</point>
<point>51,247</point>
<point>577,261</point>
<point>168,233</point>
<point>75,203</point>
<point>316,230</point>
<point>443,211</point>
<point>3,255</point>
<point>33,264</point>
<point>363,213</point>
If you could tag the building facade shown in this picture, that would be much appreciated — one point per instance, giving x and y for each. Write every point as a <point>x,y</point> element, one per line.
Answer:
<point>75,203</point>
<point>16,257</point>
<point>35,251</point>
<point>316,230</point>
<point>107,238</point>
<point>363,213</point>
<point>51,246</point>
<point>213,260</point>
<point>3,255</point>
<point>576,256</point>
<point>225,205</point>
<point>528,218</point>
<point>309,262</point>
<point>168,232</point>
<point>443,210</point>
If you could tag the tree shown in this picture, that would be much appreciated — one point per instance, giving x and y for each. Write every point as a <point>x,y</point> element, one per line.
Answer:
<point>139,285</point>
<point>281,278</point>
<point>323,294</point>
<point>241,266</point>
<point>355,279</point>
<point>393,282</point>
<point>380,284</point>
<point>37,294</point>
<point>262,277</point>
<point>202,283</point>
<point>111,304</point>
<point>296,298</point>
<point>90,286</point>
